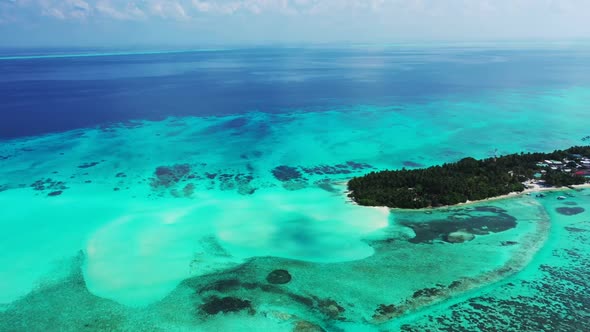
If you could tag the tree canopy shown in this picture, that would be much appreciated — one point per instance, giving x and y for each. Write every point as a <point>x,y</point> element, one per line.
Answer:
<point>458,182</point>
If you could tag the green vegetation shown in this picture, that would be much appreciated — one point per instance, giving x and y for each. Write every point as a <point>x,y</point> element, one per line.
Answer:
<point>467,179</point>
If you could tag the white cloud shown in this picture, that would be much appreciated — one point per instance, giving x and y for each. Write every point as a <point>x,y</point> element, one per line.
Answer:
<point>186,9</point>
<point>325,19</point>
<point>66,9</point>
<point>167,9</point>
<point>128,12</point>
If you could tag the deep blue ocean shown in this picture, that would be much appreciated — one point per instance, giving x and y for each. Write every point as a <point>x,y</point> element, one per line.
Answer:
<point>55,94</point>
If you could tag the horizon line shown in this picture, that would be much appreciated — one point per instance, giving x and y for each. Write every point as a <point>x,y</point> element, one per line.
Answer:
<point>170,49</point>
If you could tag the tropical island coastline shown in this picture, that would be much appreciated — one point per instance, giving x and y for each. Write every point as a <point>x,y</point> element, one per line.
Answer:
<point>469,180</point>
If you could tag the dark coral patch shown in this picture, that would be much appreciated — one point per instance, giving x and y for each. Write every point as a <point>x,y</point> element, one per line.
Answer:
<point>455,284</point>
<point>233,284</point>
<point>215,305</point>
<point>279,277</point>
<point>90,164</point>
<point>576,230</point>
<point>570,211</point>
<point>121,175</point>
<point>286,173</point>
<point>325,170</point>
<point>358,166</point>
<point>339,169</point>
<point>178,170</point>
<point>240,181</point>
<point>226,182</point>
<point>330,308</point>
<point>387,312</point>
<point>188,190</point>
<point>49,184</point>
<point>55,193</point>
<point>384,310</point>
<point>39,185</point>
<point>168,176</point>
<point>427,292</point>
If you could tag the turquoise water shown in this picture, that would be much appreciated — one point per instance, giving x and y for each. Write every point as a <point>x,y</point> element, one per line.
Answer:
<point>141,225</point>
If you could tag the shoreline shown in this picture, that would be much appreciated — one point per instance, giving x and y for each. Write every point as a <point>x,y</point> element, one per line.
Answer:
<point>536,188</point>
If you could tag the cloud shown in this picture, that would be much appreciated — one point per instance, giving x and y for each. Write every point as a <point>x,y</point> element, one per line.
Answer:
<point>303,20</point>
<point>229,7</point>
<point>177,9</point>
<point>187,9</point>
<point>130,11</point>
<point>91,9</point>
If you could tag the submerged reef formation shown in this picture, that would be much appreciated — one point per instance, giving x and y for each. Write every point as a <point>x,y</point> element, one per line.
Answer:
<point>470,179</point>
<point>345,168</point>
<point>570,211</point>
<point>298,177</point>
<point>89,164</point>
<point>183,180</point>
<point>462,226</point>
<point>556,300</point>
<point>168,176</point>
<point>215,305</point>
<point>50,186</point>
<point>291,177</point>
<point>279,277</point>
<point>286,173</point>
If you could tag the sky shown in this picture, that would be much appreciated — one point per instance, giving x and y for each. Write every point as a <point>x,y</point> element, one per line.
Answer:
<point>225,22</point>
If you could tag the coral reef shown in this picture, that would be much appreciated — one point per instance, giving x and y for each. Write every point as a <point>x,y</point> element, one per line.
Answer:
<point>53,187</point>
<point>279,277</point>
<point>570,211</point>
<point>215,305</point>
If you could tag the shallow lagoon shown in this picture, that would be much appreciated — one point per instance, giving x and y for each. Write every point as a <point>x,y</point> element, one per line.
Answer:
<point>164,225</point>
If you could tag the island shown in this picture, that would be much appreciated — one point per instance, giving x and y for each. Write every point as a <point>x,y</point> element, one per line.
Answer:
<point>470,179</point>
